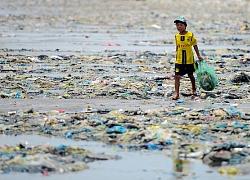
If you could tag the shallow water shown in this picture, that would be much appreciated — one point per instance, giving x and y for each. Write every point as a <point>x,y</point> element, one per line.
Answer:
<point>141,165</point>
<point>73,43</point>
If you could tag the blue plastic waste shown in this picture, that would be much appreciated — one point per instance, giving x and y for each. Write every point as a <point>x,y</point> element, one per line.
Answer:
<point>85,83</point>
<point>179,101</point>
<point>18,95</point>
<point>169,142</point>
<point>61,147</point>
<point>68,135</point>
<point>116,129</point>
<point>175,112</point>
<point>7,171</point>
<point>153,146</point>
<point>96,118</point>
<point>234,112</point>
<point>222,125</point>
<point>87,130</point>
<point>239,125</point>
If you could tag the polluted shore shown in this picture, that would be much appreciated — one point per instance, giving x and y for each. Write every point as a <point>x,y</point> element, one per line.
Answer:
<point>102,72</point>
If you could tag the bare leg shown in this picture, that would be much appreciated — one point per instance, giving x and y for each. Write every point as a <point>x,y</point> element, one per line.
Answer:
<point>192,79</point>
<point>177,87</point>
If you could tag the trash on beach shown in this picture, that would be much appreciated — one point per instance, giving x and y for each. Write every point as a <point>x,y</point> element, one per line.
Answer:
<point>47,159</point>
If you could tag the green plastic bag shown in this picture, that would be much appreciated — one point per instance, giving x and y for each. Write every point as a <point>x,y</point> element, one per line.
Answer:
<point>206,75</point>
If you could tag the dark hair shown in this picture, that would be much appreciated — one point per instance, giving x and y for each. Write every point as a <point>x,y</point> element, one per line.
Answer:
<point>185,24</point>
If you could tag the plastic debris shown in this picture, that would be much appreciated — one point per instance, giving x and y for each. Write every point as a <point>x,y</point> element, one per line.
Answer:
<point>47,159</point>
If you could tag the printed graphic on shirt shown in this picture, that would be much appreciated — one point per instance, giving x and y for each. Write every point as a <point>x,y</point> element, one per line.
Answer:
<point>184,44</point>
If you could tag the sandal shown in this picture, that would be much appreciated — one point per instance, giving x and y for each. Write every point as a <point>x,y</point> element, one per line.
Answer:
<point>176,98</point>
<point>186,94</point>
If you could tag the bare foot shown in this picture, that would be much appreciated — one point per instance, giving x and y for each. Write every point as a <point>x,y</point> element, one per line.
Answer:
<point>193,92</point>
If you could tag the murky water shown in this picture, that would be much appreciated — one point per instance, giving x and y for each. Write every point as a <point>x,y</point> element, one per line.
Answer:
<point>141,165</point>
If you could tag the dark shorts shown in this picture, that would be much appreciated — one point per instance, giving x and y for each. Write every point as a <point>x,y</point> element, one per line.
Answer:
<point>182,69</point>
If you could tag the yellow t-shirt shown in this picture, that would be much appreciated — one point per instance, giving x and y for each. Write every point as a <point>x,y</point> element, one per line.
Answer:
<point>184,44</point>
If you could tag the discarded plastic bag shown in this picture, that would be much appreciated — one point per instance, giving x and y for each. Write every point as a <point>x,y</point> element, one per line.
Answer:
<point>206,76</point>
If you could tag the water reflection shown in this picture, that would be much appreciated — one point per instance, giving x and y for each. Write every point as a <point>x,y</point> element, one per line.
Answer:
<point>182,169</point>
<point>181,165</point>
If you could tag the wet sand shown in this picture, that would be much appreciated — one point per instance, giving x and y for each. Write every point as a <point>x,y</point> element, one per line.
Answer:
<point>78,105</point>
